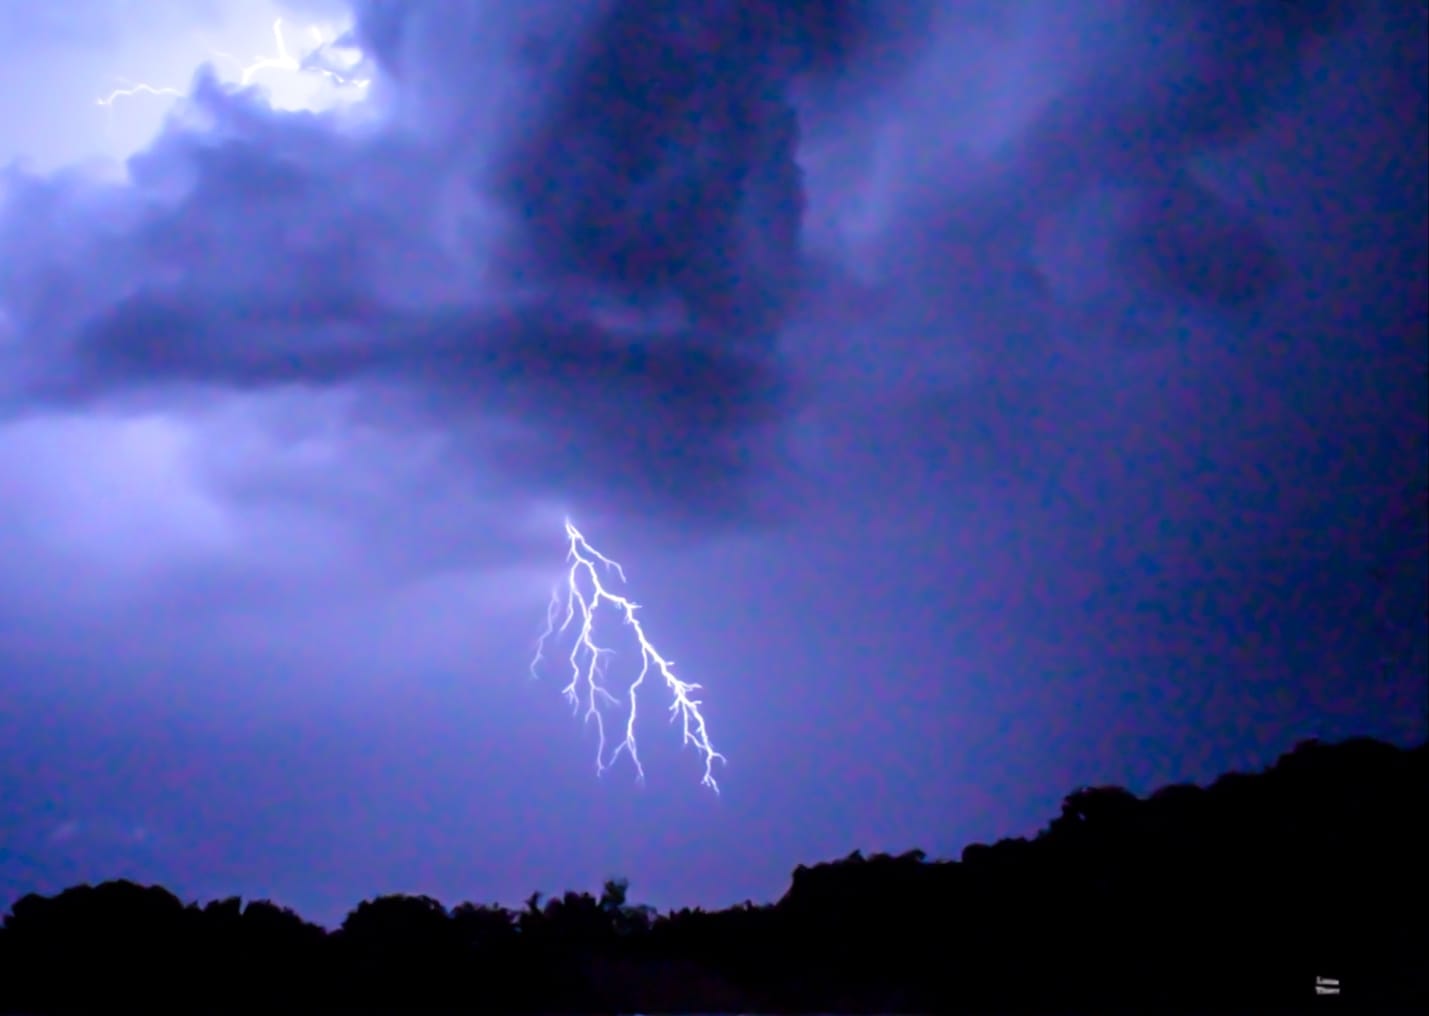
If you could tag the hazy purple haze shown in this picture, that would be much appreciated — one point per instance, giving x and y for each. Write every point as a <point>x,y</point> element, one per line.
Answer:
<point>983,398</point>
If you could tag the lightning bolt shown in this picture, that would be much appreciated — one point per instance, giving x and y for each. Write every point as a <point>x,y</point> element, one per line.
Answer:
<point>588,660</point>
<point>138,89</point>
<point>285,61</point>
<point>323,48</point>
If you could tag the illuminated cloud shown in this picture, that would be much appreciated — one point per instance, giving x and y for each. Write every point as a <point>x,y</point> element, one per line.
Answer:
<point>324,72</point>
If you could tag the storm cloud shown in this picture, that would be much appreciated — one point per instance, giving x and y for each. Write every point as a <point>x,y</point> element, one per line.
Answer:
<point>633,230</point>
<point>651,211</point>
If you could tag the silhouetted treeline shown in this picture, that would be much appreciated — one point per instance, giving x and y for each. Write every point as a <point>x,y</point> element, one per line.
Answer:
<point>1232,897</point>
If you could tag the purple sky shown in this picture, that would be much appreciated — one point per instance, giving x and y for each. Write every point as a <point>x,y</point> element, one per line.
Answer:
<point>983,401</point>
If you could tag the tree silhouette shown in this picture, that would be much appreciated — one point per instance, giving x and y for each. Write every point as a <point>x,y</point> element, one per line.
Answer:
<point>1258,882</point>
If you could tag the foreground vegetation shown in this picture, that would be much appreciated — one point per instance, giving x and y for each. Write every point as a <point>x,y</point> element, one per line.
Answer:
<point>1230,897</point>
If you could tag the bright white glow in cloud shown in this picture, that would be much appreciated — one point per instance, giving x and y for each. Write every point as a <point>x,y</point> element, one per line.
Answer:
<point>323,74</point>
<point>308,67</point>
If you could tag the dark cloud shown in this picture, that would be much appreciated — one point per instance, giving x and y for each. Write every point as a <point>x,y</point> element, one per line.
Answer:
<point>670,424</point>
<point>625,328</point>
<point>663,167</point>
<point>667,158</point>
<point>1192,245</point>
<point>1198,75</point>
<point>1147,93</point>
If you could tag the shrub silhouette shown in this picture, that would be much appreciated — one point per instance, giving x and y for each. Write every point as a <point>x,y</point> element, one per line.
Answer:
<point>1238,895</point>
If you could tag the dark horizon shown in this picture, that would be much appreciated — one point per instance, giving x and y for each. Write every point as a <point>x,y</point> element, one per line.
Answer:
<point>1112,903</point>
<point>1300,749</point>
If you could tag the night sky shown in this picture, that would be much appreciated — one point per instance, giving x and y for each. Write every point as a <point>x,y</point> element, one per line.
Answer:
<point>982,398</point>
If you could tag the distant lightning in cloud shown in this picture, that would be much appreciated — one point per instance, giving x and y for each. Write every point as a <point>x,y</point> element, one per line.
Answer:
<point>588,660</point>
<point>285,61</point>
<point>139,89</point>
<point>282,62</point>
<point>326,56</point>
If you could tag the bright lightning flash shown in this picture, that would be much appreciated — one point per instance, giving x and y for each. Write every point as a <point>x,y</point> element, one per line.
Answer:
<point>322,42</point>
<point>588,660</point>
<point>326,57</point>
<point>139,89</point>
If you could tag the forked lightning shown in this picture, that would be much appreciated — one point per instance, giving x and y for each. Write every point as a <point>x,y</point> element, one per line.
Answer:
<point>588,660</point>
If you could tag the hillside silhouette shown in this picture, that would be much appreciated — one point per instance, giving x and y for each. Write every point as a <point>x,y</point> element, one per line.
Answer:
<point>1230,897</point>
